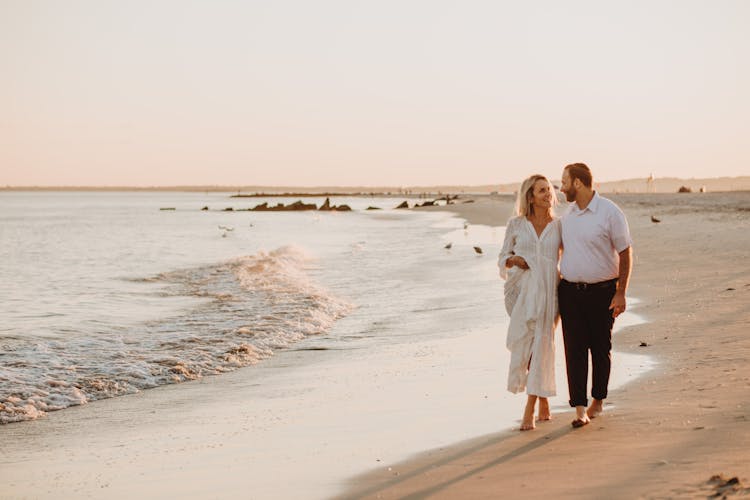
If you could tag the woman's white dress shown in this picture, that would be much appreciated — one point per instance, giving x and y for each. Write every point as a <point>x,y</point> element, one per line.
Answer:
<point>531,301</point>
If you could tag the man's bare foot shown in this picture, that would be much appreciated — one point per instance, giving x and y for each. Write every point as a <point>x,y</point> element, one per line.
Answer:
<point>581,421</point>
<point>544,413</point>
<point>581,417</point>
<point>595,409</point>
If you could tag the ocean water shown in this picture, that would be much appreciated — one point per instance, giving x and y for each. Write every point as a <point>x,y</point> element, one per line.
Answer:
<point>322,345</point>
<point>104,294</point>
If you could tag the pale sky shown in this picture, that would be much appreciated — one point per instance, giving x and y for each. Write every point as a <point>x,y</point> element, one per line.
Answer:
<point>424,92</point>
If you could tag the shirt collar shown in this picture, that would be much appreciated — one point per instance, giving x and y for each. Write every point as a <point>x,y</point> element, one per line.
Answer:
<point>592,206</point>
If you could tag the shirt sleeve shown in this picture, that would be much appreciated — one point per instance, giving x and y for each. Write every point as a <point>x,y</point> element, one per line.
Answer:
<point>618,230</point>
<point>509,245</point>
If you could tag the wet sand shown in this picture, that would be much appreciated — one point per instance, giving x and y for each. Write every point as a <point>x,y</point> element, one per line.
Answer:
<point>666,434</point>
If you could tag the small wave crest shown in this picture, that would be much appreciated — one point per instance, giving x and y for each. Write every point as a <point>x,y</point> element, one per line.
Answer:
<point>257,304</point>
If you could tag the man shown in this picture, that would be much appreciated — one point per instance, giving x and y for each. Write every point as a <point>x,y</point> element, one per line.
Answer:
<point>595,268</point>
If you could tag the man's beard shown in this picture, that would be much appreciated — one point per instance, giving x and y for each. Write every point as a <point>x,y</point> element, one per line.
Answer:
<point>570,194</point>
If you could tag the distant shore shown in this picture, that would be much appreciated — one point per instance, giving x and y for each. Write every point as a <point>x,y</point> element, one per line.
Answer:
<point>637,185</point>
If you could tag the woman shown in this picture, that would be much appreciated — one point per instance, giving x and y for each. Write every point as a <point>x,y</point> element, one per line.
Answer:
<point>528,263</point>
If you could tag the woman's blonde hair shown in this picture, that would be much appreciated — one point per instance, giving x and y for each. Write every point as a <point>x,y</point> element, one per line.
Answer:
<point>526,194</point>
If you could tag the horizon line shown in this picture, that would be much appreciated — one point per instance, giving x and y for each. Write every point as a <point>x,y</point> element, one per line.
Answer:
<point>360,188</point>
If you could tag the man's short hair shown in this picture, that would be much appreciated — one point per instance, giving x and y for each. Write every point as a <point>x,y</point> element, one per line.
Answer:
<point>581,172</point>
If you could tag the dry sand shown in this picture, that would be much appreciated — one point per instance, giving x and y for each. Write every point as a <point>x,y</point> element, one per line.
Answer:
<point>664,435</point>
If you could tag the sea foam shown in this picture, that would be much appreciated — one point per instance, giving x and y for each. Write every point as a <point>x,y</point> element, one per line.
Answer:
<point>252,306</point>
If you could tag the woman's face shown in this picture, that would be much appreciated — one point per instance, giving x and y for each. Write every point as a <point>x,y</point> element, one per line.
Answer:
<point>542,194</point>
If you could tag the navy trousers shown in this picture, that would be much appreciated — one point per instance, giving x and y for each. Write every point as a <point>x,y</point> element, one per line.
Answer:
<point>587,327</point>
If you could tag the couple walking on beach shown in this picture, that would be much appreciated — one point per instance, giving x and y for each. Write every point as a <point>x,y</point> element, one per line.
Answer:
<point>574,268</point>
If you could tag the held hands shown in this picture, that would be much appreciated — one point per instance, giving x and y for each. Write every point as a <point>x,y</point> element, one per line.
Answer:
<point>517,261</point>
<point>617,306</point>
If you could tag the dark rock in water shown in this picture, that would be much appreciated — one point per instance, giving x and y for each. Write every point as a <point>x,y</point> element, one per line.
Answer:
<point>447,198</point>
<point>229,209</point>
<point>299,205</point>
<point>644,344</point>
<point>404,204</point>
<point>729,290</point>
<point>204,208</point>
<point>655,220</point>
<point>167,208</point>
<point>468,201</point>
<point>373,208</point>
<point>478,250</point>
<point>265,207</point>
<point>449,245</point>
<point>684,189</point>
<point>426,204</point>
<point>326,206</point>
<point>280,207</point>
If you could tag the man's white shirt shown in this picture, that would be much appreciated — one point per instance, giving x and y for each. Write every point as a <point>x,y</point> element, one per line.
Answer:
<point>592,240</point>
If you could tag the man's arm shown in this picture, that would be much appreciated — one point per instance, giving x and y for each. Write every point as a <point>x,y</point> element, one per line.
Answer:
<point>618,301</point>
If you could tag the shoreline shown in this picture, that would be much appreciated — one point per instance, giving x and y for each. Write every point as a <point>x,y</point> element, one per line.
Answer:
<point>320,412</point>
<point>664,435</point>
<point>659,438</point>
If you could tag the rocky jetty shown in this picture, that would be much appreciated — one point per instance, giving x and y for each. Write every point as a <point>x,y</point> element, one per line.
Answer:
<point>326,206</point>
<point>280,207</point>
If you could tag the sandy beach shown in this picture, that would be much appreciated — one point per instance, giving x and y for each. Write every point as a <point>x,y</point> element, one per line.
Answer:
<point>249,249</point>
<point>662,436</point>
<point>667,434</point>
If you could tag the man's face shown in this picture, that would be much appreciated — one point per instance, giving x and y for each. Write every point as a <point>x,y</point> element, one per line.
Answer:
<point>568,186</point>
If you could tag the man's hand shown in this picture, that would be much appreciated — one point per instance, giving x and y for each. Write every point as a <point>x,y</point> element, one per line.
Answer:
<point>617,306</point>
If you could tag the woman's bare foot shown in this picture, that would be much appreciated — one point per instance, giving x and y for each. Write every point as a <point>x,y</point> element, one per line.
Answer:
<point>527,423</point>
<point>595,409</point>
<point>544,413</point>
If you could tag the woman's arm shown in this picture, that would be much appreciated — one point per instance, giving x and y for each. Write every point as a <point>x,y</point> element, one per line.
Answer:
<point>507,257</point>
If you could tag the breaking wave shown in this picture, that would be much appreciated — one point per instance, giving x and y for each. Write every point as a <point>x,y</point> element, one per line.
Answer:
<point>253,306</point>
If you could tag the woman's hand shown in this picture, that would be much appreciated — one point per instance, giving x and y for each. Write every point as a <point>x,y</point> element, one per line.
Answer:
<point>517,261</point>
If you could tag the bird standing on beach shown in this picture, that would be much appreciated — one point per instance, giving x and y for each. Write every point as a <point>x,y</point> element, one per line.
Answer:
<point>655,220</point>
<point>226,230</point>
